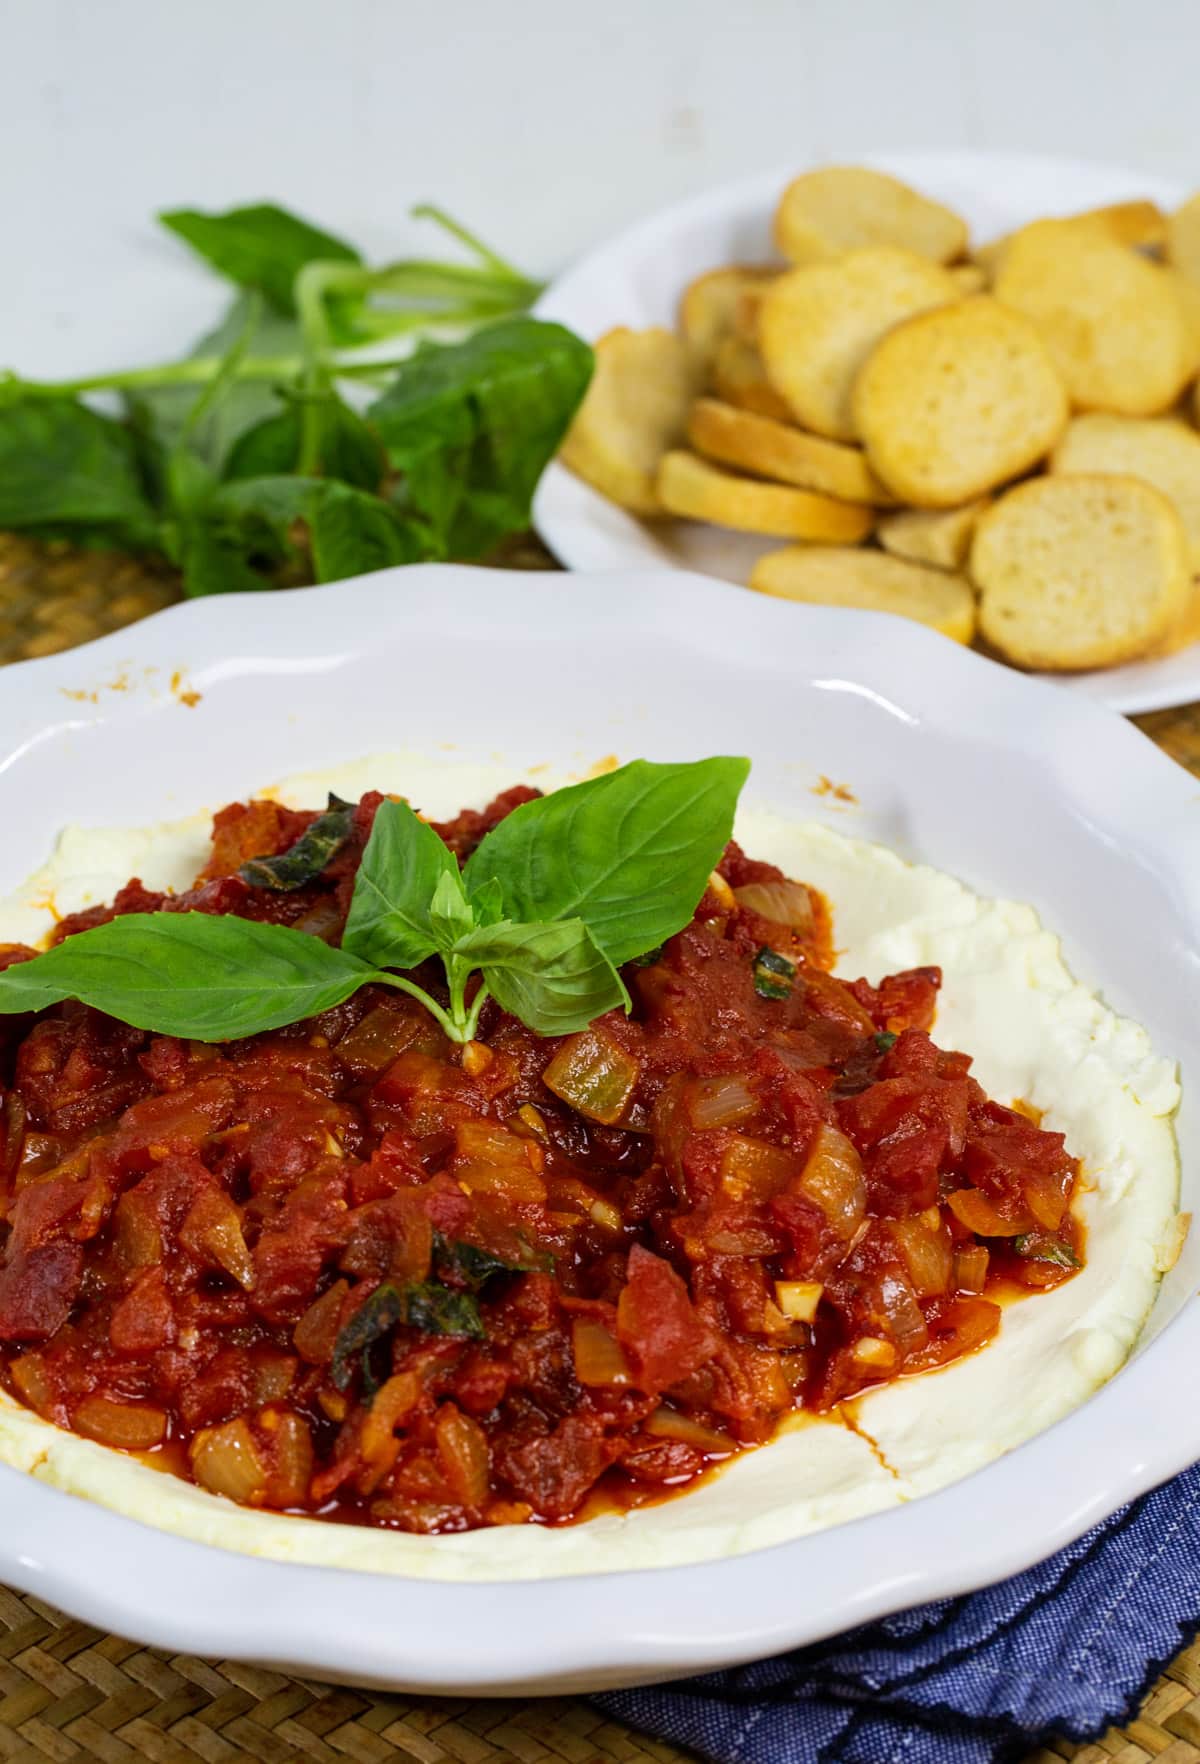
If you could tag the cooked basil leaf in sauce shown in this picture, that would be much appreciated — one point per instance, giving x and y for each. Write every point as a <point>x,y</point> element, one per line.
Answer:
<point>303,862</point>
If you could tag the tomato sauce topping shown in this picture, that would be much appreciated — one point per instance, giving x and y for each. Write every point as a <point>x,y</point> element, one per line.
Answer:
<point>354,1270</point>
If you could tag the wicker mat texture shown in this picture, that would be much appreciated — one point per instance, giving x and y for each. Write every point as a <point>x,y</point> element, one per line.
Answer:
<point>70,1693</point>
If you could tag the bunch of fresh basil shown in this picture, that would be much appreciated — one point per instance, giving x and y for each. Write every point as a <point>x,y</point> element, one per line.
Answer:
<point>291,444</point>
<point>551,903</point>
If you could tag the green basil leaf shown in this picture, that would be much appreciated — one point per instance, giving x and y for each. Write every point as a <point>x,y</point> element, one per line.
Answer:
<point>63,466</point>
<point>629,853</point>
<point>436,1310</point>
<point>352,533</point>
<point>450,917</point>
<point>215,564</point>
<point>555,978</point>
<point>190,481</point>
<point>304,861</point>
<point>163,413</point>
<point>472,1267</point>
<point>376,1317</point>
<point>773,974</point>
<point>1037,1247</point>
<point>261,247</point>
<point>347,449</point>
<point>472,426</point>
<point>487,902</point>
<point>201,976</point>
<point>391,921</point>
<point>430,1307</point>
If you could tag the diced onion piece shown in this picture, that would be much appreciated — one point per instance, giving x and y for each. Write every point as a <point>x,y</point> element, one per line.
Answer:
<point>291,1460</point>
<point>476,1058</point>
<point>798,1299</point>
<point>927,1253</point>
<point>904,1316</point>
<point>972,1208</point>
<point>212,1231</point>
<point>12,1136</point>
<point>784,903</point>
<point>832,1178</point>
<point>670,1424</point>
<point>136,1235</point>
<point>273,1375</point>
<point>771,1388</point>
<point>872,1350</point>
<point>717,885</point>
<point>316,1332</point>
<point>574,1193</point>
<point>381,1037</point>
<point>970,1268</point>
<point>395,1399</point>
<point>132,1427</point>
<point>488,1159</point>
<point>335,1405</point>
<point>744,1238</point>
<point>226,1461</point>
<point>751,1169</point>
<point>599,1356</point>
<point>463,1450</point>
<point>529,1123</point>
<point>719,1102</point>
<point>965,1324</point>
<point>1046,1201</point>
<point>33,1387</point>
<point>593,1075</point>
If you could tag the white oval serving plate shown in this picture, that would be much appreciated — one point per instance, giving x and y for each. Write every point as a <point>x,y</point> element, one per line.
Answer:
<point>637,278</point>
<point>1020,790</point>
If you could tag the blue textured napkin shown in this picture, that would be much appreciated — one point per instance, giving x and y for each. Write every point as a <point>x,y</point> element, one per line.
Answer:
<point>1068,1647</point>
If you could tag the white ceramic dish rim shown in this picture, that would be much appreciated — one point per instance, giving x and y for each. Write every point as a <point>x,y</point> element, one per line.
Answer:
<point>587,533</point>
<point>588,1631</point>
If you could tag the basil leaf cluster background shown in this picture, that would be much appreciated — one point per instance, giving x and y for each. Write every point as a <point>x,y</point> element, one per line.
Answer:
<point>285,447</point>
<point>551,903</point>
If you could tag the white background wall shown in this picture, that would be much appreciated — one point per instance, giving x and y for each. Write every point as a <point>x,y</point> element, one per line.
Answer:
<point>544,123</point>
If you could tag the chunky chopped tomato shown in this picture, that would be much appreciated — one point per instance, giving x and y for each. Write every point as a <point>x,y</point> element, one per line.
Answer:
<point>351,1269</point>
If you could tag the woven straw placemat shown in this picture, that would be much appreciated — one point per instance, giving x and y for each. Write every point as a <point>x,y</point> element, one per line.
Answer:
<point>69,1692</point>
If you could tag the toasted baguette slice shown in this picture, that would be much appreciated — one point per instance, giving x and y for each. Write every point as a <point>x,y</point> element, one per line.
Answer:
<point>816,327</point>
<point>1160,450</point>
<point>781,451</point>
<point>940,537</point>
<point>634,410</point>
<point>739,377</point>
<point>708,312</point>
<point>1186,631</point>
<point>1112,320</point>
<point>1080,572</point>
<point>841,207</point>
<point>1183,239</point>
<point>1139,224</point>
<point>871,581</point>
<point>690,486</point>
<point>1188,294</point>
<point>957,401</point>
<point>969,278</point>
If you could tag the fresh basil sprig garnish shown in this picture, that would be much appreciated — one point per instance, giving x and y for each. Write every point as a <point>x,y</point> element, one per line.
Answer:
<point>550,903</point>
